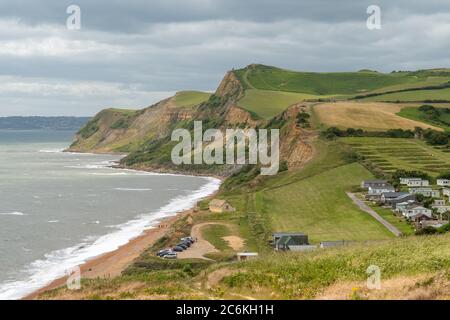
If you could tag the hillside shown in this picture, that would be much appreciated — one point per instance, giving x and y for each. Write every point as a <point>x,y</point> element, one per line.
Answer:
<point>411,268</point>
<point>307,195</point>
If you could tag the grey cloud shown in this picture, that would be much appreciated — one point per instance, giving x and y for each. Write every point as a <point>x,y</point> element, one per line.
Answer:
<point>148,47</point>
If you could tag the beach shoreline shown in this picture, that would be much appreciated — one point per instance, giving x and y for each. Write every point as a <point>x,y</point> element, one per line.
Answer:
<point>111,264</point>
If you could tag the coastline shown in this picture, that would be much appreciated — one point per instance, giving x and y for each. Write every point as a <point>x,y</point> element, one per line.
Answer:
<point>112,263</point>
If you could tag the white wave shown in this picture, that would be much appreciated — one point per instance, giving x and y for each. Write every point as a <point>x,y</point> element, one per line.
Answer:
<point>51,150</point>
<point>15,213</point>
<point>55,264</point>
<point>132,189</point>
<point>53,221</point>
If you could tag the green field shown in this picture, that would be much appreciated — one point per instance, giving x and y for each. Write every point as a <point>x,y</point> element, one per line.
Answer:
<point>190,98</point>
<point>345,83</point>
<point>214,234</point>
<point>399,222</point>
<point>319,207</point>
<point>414,113</point>
<point>268,103</point>
<point>412,96</point>
<point>390,154</point>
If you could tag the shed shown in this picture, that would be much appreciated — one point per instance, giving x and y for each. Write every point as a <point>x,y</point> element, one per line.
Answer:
<point>241,256</point>
<point>217,205</point>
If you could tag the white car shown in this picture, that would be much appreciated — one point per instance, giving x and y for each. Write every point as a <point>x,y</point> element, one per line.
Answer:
<point>171,255</point>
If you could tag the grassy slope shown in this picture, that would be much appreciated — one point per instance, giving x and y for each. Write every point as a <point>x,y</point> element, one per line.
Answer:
<point>286,276</point>
<point>409,154</point>
<point>190,98</point>
<point>417,95</point>
<point>268,103</point>
<point>305,275</point>
<point>310,200</point>
<point>319,207</point>
<point>414,114</point>
<point>347,83</point>
<point>270,90</point>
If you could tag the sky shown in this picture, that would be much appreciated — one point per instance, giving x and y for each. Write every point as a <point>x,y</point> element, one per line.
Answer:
<point>131,54</point>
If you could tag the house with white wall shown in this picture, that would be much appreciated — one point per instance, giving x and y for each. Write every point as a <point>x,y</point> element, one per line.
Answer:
<point>443,182</point>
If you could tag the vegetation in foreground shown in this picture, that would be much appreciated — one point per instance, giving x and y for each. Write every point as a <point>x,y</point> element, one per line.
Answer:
<point>421,265</point>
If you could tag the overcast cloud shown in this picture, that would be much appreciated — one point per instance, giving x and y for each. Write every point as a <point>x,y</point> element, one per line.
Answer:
<point>134,53</point>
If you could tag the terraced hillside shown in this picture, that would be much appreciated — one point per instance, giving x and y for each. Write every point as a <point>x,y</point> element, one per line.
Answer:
<point>408,154</point>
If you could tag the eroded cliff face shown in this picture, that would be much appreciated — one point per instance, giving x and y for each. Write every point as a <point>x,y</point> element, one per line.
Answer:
<point>124,131</point>
<point>145,134</point>
<point>296,144</point>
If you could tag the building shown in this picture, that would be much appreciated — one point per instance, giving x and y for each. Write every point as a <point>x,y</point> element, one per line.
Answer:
<point>402,206</point>
<point>404,197</point>
<point>303,247</point>
<point>391,195</point>
<point>332,244</point>
<point>417,183</point>
<point>433,223</point>
<point>217,205</point>
<point>405,181</point>
<point>440,206</point>
<point>284,240</point>
<point>446,192</point>
<point>242,256</point>
<point>374,183</point>
<point>377,191</point>
<point>415,210</point>
<point>426,192</point>
<point>443,182</point>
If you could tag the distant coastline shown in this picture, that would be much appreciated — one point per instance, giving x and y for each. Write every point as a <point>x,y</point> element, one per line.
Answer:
<point>42,123</point>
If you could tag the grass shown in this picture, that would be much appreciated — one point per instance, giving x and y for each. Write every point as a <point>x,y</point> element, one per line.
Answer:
<point>304,275</point>
<point>319,207</point>
<point>311,200</point>
<point>399,222</point>
<point>414,113</point>
<point>367,116</point>
<point>280,275</point>
<point>407,154</point>
<point>345,83</point>
<point>416,95</point>
<point>190,98</point>
<point>268,103</point>
<point>214,234</point>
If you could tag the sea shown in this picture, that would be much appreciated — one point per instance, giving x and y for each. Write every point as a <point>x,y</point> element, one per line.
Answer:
<point>59,209</point>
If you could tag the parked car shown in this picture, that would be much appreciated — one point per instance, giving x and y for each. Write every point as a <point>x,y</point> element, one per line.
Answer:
<point>163,252</point>
<point>187,243</point>
<point>171,255</point>
<point>178,249</point>
<point>188,239</point>
<point>182,245</point>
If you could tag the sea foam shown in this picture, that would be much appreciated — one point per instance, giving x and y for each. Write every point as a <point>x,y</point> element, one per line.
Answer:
<point>55,264</point>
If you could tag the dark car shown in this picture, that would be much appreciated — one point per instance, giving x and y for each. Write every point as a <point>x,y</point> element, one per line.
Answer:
<point>178,249</point>
<point>163,252</point>
<point>188,239</point>
<point>182,245</point>
<point>187,243</point>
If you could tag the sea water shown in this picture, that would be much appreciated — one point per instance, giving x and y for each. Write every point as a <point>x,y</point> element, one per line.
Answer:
<point>59,209</point>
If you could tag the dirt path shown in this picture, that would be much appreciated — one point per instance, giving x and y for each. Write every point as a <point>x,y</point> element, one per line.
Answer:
<point>202,247</point>
<point>375,215</point>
